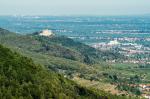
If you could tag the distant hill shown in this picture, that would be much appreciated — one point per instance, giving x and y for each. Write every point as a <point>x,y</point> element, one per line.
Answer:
<point>59,53</point>
<point>59,46</point>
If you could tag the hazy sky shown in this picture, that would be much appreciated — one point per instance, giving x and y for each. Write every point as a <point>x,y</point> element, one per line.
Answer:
<point>74,7</point>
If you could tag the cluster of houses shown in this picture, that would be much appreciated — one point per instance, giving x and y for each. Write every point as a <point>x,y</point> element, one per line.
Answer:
<point>145,88</point>
<point>146,96</point>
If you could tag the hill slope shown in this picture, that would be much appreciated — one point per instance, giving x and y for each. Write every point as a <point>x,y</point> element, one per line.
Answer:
<point>76,50</point>
<point>63,55</point>
<point>21,78</point>
<point>58,46</point>
<point>57,52</point>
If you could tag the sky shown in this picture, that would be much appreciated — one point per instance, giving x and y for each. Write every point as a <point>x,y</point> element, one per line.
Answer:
<point>74,7</point>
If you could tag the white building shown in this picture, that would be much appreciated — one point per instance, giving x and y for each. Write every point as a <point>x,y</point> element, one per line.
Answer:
<point>46,33</point>
<point>112,43</point>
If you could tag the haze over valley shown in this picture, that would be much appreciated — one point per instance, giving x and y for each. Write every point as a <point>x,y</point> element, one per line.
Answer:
<point>75,49</point>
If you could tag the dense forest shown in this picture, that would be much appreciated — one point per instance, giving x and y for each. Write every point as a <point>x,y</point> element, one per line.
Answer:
<point>21,78</point>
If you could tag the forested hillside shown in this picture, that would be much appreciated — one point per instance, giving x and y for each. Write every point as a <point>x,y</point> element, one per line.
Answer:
<point>58,46</point>
<point>65,56</point>
<point>21,78</point>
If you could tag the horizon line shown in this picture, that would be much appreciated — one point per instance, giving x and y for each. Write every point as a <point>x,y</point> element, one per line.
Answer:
<point>76,15</point>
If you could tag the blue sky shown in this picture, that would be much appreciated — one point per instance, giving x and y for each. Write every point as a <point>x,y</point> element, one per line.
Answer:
<point>74,7</point>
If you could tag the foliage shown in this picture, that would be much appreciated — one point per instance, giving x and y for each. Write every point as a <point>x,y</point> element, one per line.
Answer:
<point>21,78</point>
<point>71,58</point>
